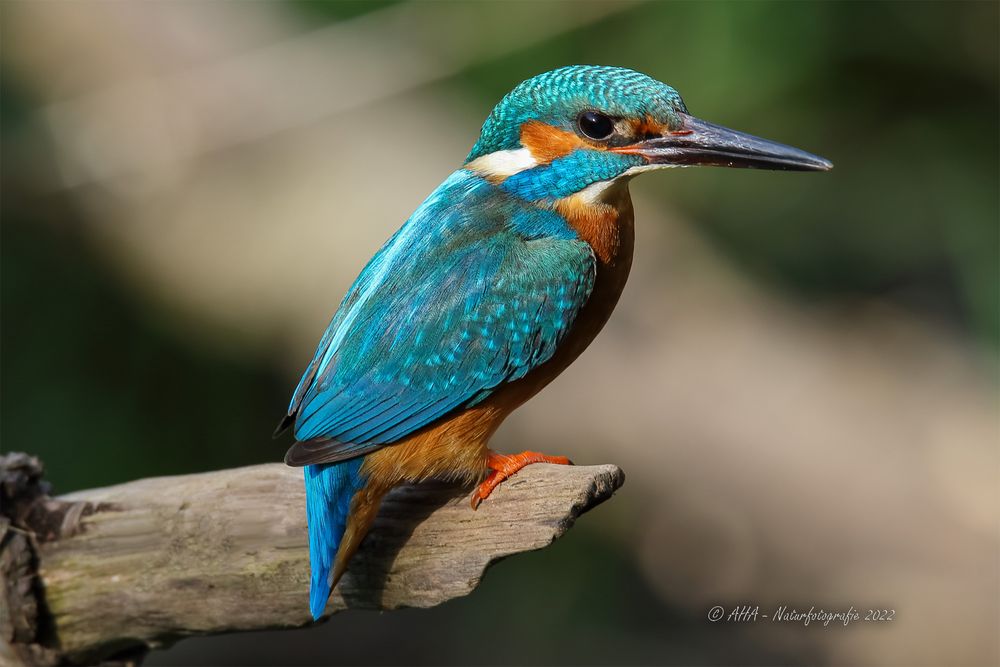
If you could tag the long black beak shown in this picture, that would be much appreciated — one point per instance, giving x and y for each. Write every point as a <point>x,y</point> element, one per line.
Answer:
<point>702,143</point>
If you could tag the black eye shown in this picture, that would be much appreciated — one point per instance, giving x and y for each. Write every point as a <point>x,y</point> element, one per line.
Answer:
<point>595,125</point>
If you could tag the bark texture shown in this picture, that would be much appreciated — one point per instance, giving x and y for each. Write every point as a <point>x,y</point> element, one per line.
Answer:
<point>107,574</point>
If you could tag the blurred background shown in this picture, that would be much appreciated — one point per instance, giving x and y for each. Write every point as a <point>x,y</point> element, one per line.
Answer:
<point>801,381</point>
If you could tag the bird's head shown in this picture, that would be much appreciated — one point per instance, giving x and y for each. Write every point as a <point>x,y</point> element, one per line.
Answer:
<point>562,131</point>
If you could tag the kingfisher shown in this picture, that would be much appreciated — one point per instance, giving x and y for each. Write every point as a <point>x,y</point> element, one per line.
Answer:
<point>494,285</point>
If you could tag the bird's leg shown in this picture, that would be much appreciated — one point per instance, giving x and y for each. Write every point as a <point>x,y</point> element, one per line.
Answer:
<point>503,466</point>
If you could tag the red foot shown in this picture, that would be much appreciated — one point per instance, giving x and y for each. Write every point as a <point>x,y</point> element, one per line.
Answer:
<point>503,466</point>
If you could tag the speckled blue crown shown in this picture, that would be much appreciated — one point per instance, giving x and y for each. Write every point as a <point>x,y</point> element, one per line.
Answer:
<point>556,98</point>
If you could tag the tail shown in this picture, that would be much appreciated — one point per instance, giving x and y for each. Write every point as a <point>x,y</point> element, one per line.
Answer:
<point>330,487</point>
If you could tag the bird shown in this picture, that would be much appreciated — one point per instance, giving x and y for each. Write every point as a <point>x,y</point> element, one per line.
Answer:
<point>493,286</point>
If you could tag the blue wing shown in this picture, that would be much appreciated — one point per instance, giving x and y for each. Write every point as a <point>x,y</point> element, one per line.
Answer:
<point>475,290</point>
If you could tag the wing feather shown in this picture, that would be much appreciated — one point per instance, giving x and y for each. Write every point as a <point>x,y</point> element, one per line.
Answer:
<point>452,307</point>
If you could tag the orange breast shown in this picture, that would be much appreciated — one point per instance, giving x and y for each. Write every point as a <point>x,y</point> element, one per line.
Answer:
<point>457,447</point>
<point>604,221</point>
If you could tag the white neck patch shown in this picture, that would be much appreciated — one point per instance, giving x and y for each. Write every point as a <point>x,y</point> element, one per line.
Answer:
<point>503,164</point>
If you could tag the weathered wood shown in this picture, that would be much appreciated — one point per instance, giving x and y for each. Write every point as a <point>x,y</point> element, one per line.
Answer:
<point>140,565</point>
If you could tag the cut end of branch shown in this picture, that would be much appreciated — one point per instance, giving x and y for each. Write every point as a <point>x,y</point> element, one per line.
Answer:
<point>428,546</point>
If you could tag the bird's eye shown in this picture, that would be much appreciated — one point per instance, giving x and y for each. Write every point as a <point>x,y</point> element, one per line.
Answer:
<point>595,125</point>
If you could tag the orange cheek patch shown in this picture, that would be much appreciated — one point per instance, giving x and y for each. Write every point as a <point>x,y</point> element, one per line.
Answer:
<point>547,143</point>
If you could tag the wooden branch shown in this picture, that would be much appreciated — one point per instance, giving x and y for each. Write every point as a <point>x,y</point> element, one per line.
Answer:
<point>141,565</point>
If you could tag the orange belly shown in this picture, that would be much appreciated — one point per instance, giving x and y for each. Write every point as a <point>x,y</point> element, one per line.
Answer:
<point>457,448</point>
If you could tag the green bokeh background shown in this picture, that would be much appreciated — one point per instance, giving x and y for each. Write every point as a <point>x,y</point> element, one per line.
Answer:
<point>902,96</point>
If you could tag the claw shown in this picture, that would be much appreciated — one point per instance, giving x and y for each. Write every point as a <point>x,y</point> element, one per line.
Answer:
<point>503,466</point>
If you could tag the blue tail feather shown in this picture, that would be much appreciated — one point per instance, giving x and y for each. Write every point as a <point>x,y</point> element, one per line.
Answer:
<point>329,490</point>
